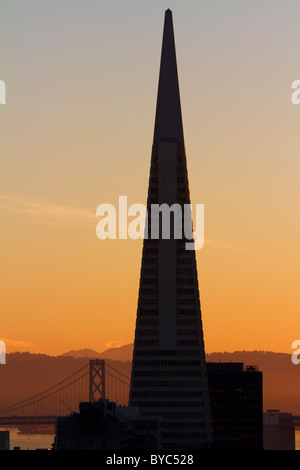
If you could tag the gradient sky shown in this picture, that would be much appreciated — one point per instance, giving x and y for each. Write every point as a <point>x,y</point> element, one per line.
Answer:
<point>77,131</point>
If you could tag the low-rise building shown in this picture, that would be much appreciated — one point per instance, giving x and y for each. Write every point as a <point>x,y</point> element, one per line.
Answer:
<point>104,426</point>
<point>279,431</point>
<point>4,440</point>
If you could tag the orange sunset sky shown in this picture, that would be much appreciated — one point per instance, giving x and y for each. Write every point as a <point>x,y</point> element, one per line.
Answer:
<point>77,131</point>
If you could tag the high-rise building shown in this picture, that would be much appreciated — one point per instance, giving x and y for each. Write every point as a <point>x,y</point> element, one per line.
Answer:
<point>236,399</point>
<point>169,377</point>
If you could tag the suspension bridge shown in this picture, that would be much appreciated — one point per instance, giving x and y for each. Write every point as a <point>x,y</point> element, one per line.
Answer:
<point>95,380</point>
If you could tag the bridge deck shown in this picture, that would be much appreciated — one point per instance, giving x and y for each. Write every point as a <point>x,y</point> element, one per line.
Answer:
<point>12,420</point>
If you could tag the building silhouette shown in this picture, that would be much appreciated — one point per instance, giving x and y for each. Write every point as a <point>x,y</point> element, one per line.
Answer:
<point>102,425</point>
<point>279,431</point>
<point>4,440</point>
<point>169,376</point>
<point>236,397</point>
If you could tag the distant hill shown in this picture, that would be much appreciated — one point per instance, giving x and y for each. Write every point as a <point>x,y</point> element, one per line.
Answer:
<point>124,353</point>
<point>88,353</point>
<point>27,374</point>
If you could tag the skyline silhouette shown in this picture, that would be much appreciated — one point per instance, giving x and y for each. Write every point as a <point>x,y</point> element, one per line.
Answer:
<point>76,139</point>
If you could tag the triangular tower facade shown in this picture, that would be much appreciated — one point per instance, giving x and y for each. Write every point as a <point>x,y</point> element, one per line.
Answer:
<point>168,370</point>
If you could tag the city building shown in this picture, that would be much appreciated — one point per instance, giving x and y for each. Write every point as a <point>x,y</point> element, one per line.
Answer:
<point>279,431</point>
<point>104,426</point>
<point>169,376</point>
<point>236,397</point>
<point>4,440</point>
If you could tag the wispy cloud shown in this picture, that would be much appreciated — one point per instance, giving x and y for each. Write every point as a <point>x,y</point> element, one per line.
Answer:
<point>114,344</point>
<point>46,211</point>
<point>13,345</point>
<point>225,246</point>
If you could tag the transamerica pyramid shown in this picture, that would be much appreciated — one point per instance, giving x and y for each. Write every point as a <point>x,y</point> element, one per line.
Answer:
<point>168,377</point>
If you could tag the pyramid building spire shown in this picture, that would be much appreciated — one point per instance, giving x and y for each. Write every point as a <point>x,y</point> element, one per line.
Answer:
<point>168,121</point>
<point>168,377</point>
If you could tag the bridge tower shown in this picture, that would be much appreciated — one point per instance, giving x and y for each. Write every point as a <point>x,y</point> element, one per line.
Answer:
<point>97,380</point>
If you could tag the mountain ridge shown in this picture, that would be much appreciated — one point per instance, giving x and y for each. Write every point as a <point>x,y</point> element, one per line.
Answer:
<point>121,353</point>
<point>27,374</point>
